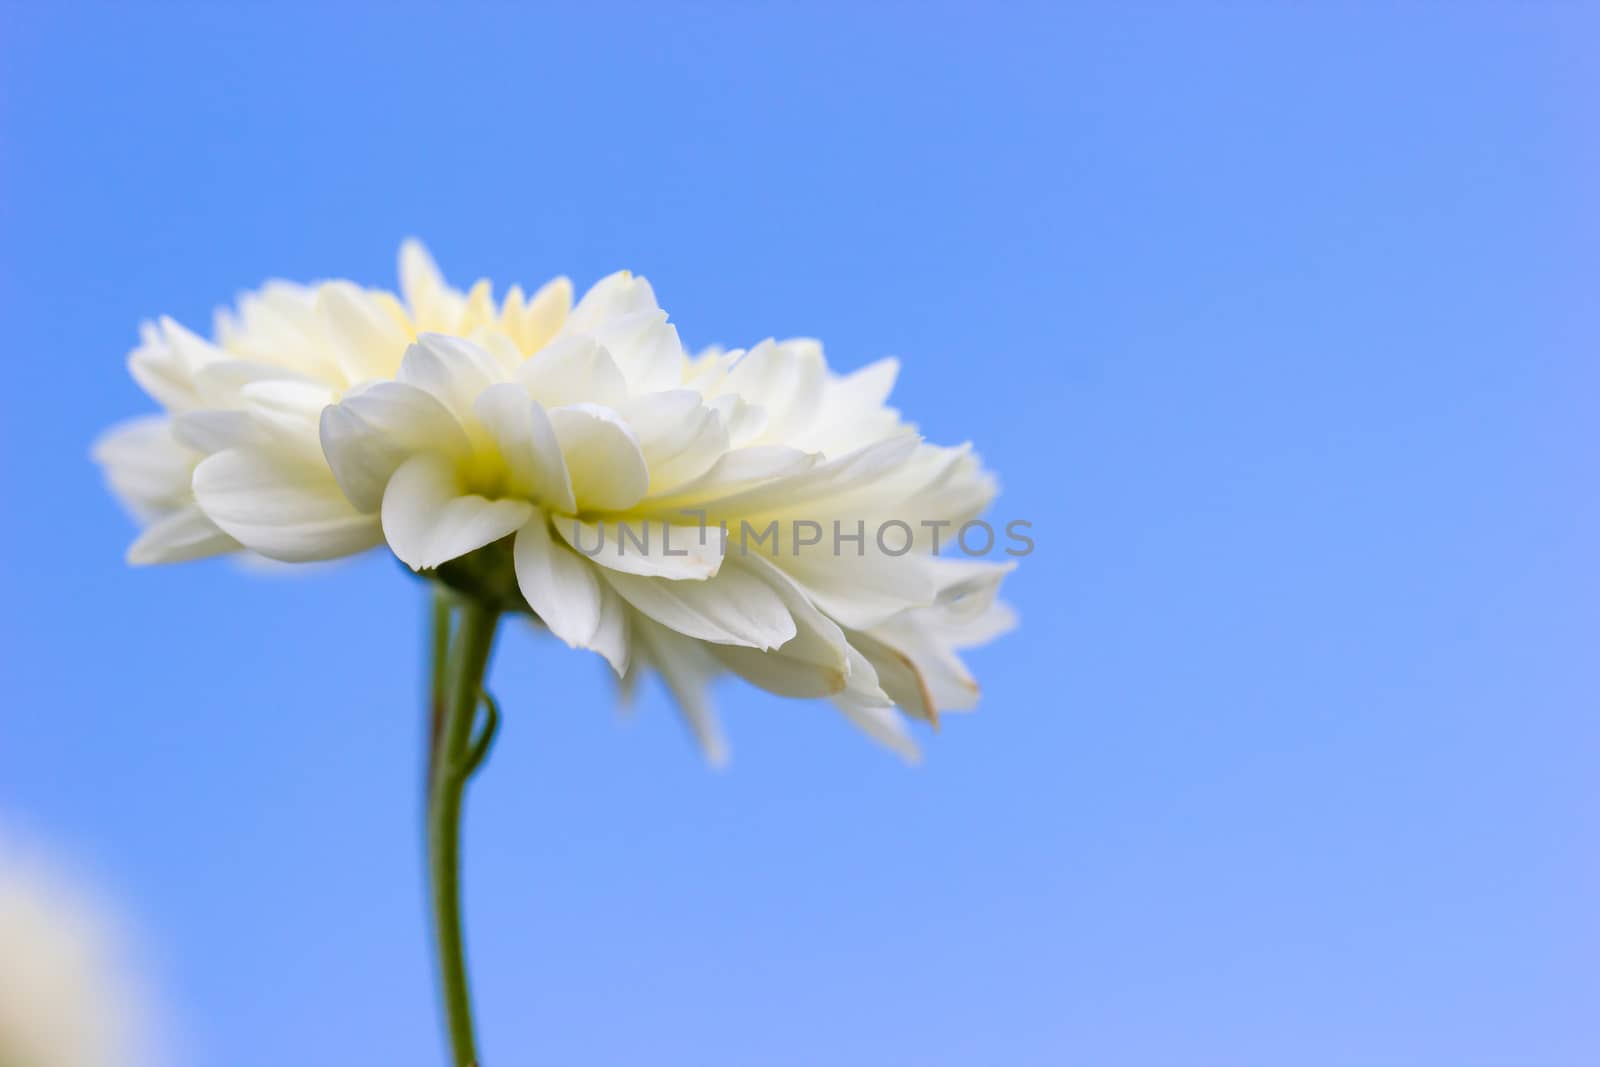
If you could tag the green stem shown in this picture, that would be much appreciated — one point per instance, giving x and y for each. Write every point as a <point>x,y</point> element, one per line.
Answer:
<point>452,764</point>
<point>439,677</point>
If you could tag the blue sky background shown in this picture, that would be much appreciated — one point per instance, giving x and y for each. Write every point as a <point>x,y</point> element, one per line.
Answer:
<point>1279,325</point>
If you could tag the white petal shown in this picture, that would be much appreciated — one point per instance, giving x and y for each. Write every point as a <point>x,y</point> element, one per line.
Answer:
<point>763,375</point>
<point>603,459</point>
<point>507,356</point>
<point>479,307</point>
<point>213,431</point>
<point>744,421</point>
<point>666,422</point>
<point>614,296</point>
<point>280,507</point>
<point>867,388</point>
<point>938,484</point>
<point>560,587</point>
<point>679,436</point>
<point>708,368</point>
<point>687,672</point>
<point>649,548</point>
<point>368,336</point>
<point>898,676</point>
<point>647,350</point>
<point>733,608</point>
<point>166,363</point>
<point>526,441</point>
<point>881,724</point>
<point>423,286</point>
<point>860,590</point>
<point>999,618</point>
<point>287,412</point>
<point>814,663</point>
<point>454,370</point>
<point>863,688</point>
<point>145,464</point>
<point>183,535</point>
<point>852,411</point>
<point>967,587</point>
<point>945,682</point>
<point>817,491</point>
<point>544,314</point>
<point>611,637</point>
<point>279,325</point>
<point>573,370</point>
<point>621,313</point>
<point>221,383</point>
<point>734,472</point>
<point>376,428</point>
<point>428,519</point>
<point>787,379</point>
<point>161,374</point>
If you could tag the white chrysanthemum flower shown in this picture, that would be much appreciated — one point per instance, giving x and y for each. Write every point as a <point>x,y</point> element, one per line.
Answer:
<point>258,391</point>
<point>66,997</point>
<point>644,504</point>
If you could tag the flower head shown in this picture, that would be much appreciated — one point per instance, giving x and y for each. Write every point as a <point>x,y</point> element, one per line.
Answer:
<point>690,515</point>
<point>66,999</point>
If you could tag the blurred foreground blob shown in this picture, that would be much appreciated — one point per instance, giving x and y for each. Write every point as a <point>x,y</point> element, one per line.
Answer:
<point>67,997</point>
